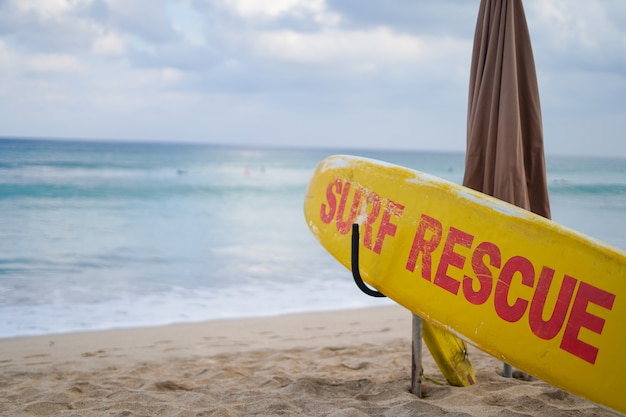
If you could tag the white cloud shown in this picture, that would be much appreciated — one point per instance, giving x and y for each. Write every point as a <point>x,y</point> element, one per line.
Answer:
<point>566,25</point>
<point>340,45</point>
<point>5,54</point>
<point>49,8</point>
<point>571,26</point>
<point>18,63</point>
<point>171,74</point>
<point>154,79</point>
<point>272,9</point>
<point>358,49</point>
<point>54,63</point>
<point>109,43</point>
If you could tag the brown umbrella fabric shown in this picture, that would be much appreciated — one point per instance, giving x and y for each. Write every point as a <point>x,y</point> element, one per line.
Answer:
<point>505,155</point>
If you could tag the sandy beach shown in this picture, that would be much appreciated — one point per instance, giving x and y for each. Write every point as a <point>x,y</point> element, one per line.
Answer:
<point>341,363</point>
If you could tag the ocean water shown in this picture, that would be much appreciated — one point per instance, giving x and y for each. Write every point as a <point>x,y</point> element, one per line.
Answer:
<point>98,235</point>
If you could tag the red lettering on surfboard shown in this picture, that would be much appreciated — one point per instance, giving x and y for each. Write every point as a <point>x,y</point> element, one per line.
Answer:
<point>327,212</point>
<point>491,278</point>
<point>373,199</point>
<point>344,226</point>
<point>451,258</point>
<point>517,265</point>
<point>386,227</point>
<point>362,203</point>
<point>548,329</point>
<point>580,318</point>
<point>483,273</point>
<point>426,240</point>
<point>501,281</point>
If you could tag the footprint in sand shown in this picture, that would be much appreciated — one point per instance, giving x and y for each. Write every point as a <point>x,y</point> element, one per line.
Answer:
<point>92,354</point>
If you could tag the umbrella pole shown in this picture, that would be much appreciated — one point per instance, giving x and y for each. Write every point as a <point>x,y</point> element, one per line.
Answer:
<point>507,371</point>
<point>416,366</point>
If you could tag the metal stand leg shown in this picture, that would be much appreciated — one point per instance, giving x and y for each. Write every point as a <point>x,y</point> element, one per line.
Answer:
<point>416,368</point>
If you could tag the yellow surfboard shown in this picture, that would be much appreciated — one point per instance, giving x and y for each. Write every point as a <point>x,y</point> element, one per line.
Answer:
<point>524,289</point>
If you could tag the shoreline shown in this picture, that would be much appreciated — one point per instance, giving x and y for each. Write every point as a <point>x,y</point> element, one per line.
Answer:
<point>336,363</point>
<point>286,331</point>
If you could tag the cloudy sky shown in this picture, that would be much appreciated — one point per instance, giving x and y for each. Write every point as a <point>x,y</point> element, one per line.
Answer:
<point>373,74</point>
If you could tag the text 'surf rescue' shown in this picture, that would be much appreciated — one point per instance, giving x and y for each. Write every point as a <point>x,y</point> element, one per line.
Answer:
<point>438,253</point>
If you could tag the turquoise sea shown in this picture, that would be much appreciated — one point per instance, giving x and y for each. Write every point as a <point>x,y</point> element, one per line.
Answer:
<point>97,235</point>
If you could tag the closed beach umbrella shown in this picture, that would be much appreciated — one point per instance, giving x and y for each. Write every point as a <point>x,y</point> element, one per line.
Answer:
<point>505,156</point>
